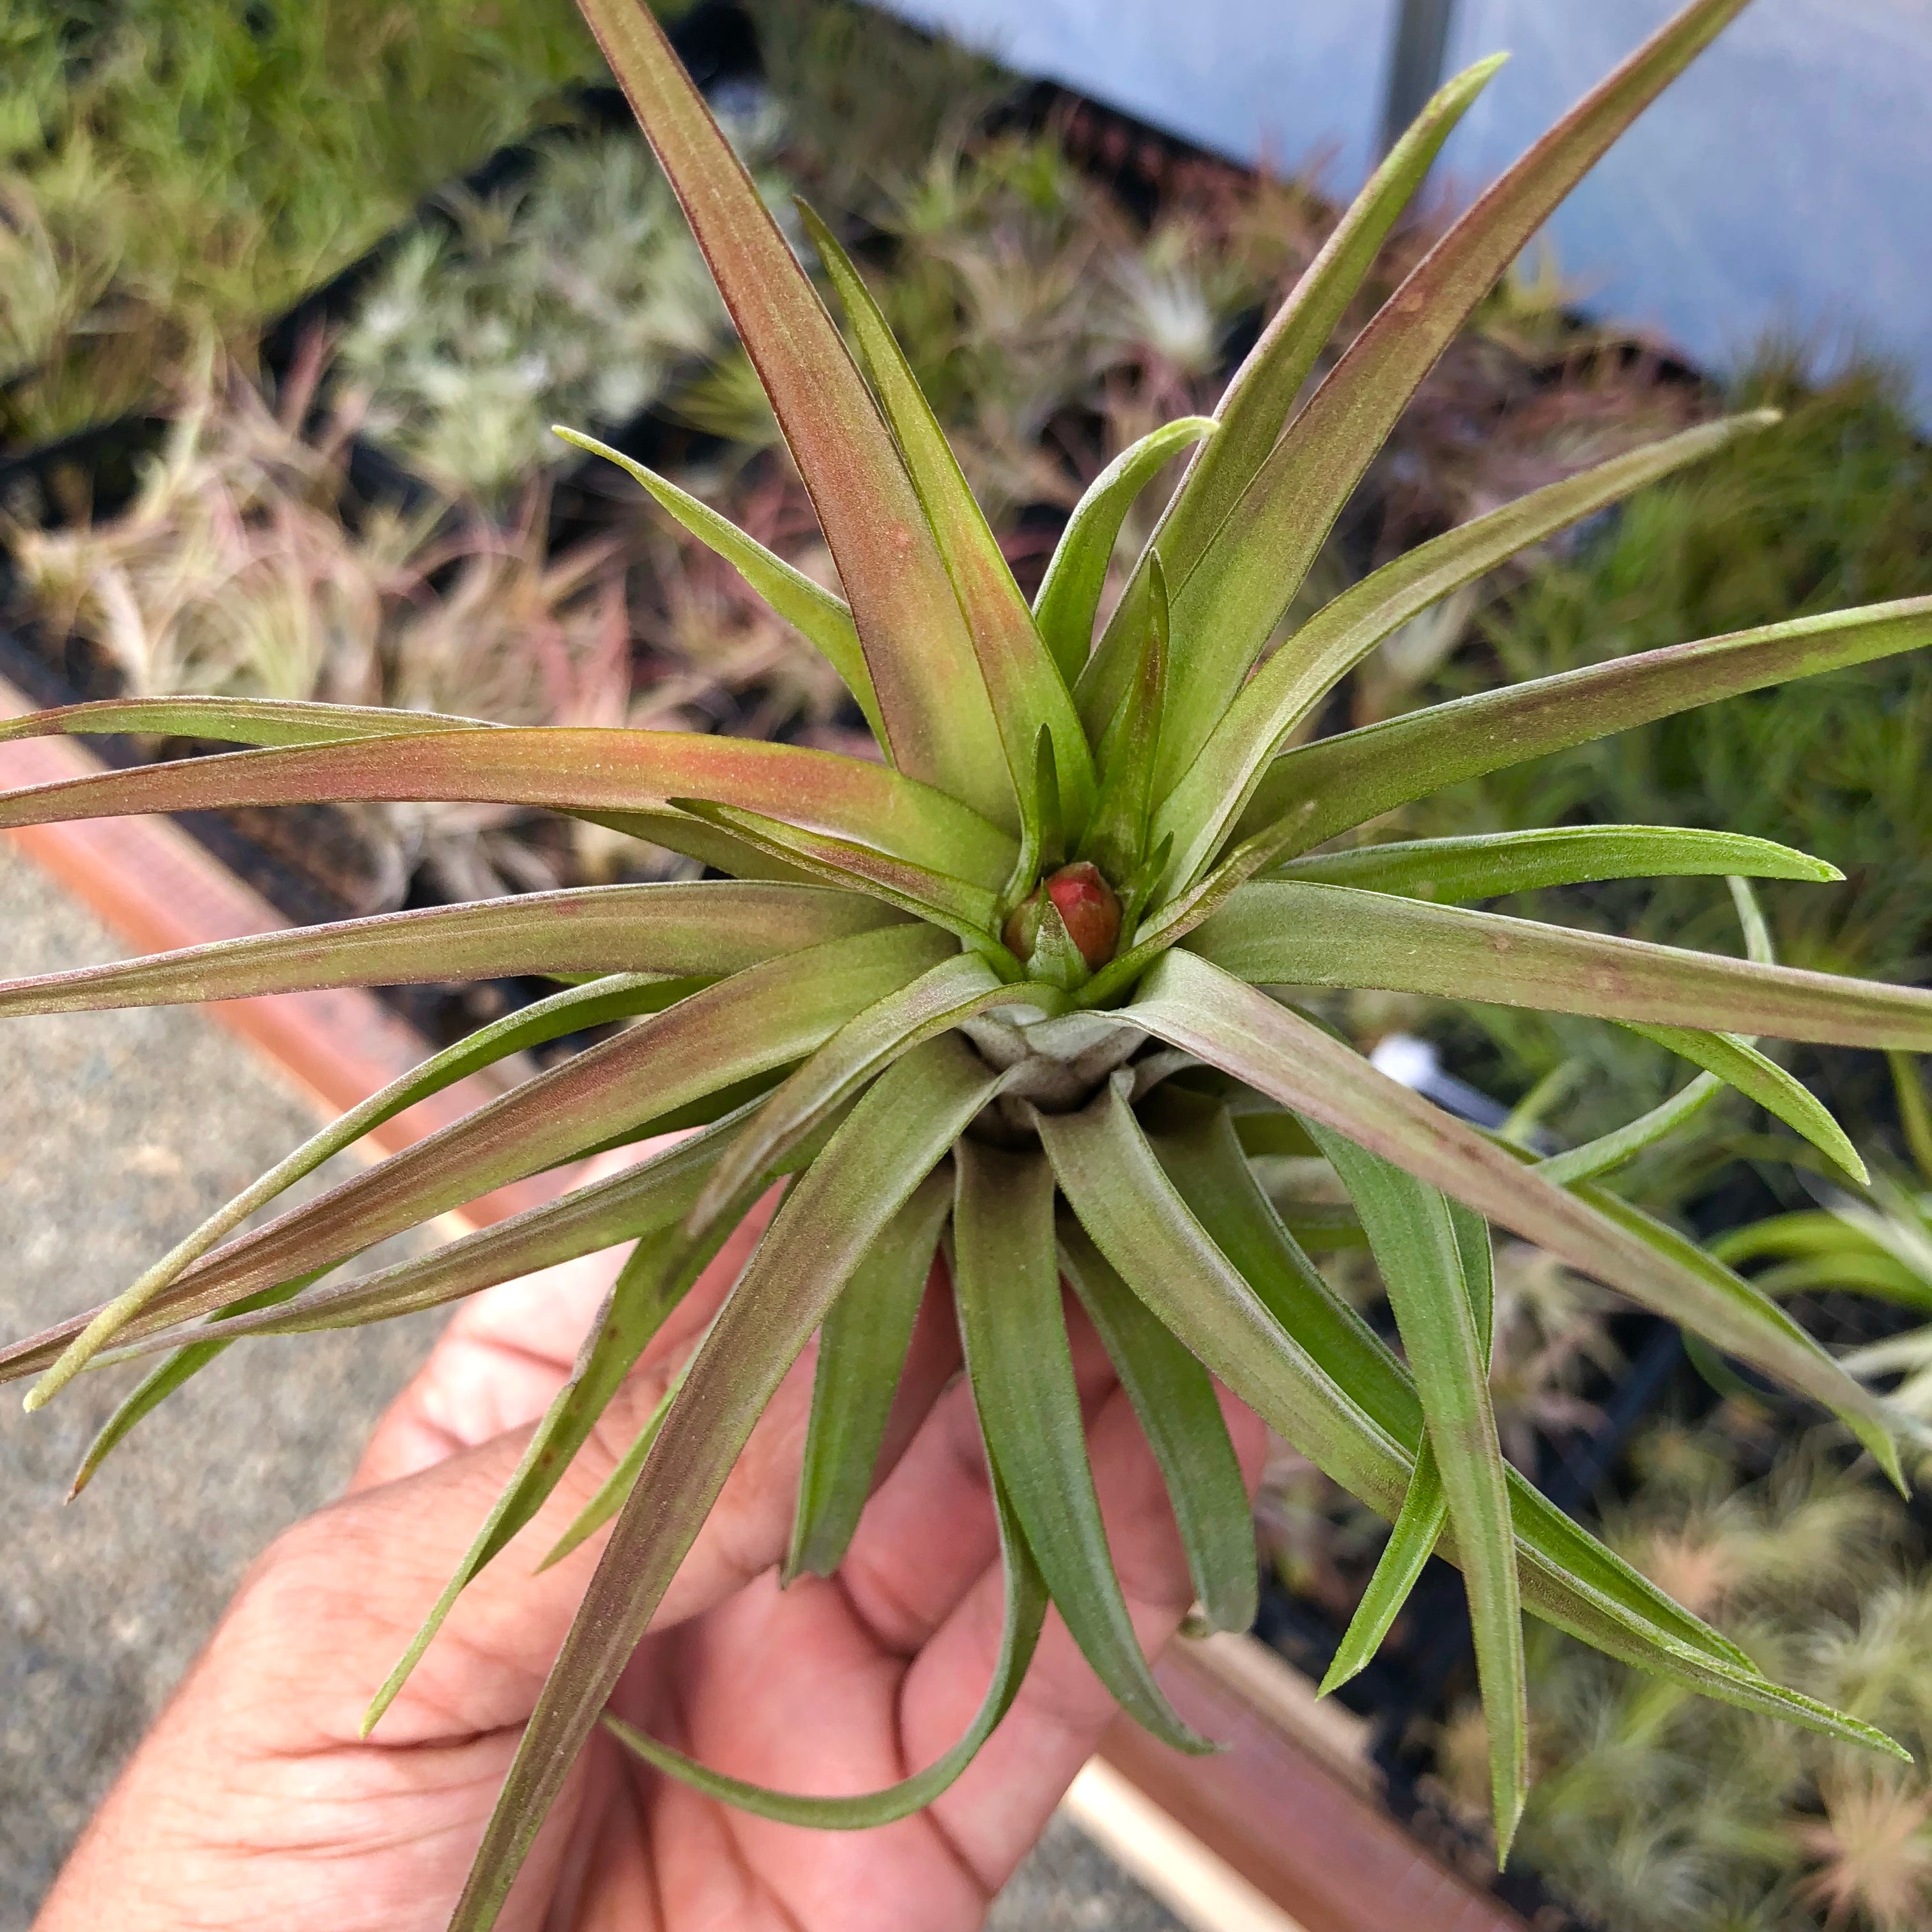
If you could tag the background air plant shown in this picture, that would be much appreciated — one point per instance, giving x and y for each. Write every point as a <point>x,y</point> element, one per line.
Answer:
<point>849,1010</point>
<point>1660,1812</point>
<point>1878,1245</point>
<point>242,568</point>
<point>578,293</point>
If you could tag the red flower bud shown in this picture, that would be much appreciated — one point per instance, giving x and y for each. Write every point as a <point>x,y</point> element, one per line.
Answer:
<point>1087,907</point>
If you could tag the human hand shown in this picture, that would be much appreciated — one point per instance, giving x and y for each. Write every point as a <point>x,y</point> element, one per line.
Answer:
<point>253,1801</point>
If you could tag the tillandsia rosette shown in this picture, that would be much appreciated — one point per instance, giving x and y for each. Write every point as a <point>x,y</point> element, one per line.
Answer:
<point>1019,993</point>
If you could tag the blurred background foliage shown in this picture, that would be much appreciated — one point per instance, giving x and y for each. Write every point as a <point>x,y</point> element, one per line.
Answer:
<point>173,167</point>
<point>1654,1811</point>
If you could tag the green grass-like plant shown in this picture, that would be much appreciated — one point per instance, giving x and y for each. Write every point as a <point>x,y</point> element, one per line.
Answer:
<point>577,292</point>
<point>1002,995</point>
<point>174,169</point>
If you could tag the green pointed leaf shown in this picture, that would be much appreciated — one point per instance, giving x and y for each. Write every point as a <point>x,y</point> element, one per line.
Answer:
<point>246,720</point>
<point>1425,1507</point>
<point>1193,1005</point>
<point>1193,1144</point>
<point>1612,1150</point>
<point>1069,594</point>
<point>1259,556</point>
<point>897,1133</point>
<point>1850,1270</point>
<point>862,1352</point>
<point>1725,1288</point>
<point>648,1289</point>
<point>1488,864</point>
<point>1621,1145</point>
<point>182,1365</point>
<point>1057,966</point>
<point>962,907</point>
<point>1416,1249</point>
<point>754,1023</point>
<point>1028,693</point>
<point>1019,1635</point>
<point>1280,932</point>
<point>614,1492</point>
<point>1266,387</point>
<point>1739,1064</point>
<point>1052,853</point>
<point>1324,788</point>
<point>644,1200</point>
<point>1006,1280</point>
<point>1181,1416</point>
<point>280,721</point>
<point>1413,1536</point>
<point>619,997</point>
<point>1140,1223</point>
<point>951,992</point>
<point>1914,1111</point>
<point>939,725</point>
<point>1207,797</point>
<point>709,928</point>
<point>567,769</point>
<point>1743,1688</point>
<point>1117,840</point>
<point>1812,1233</point>
<point>824,621</point>
<point>1899,1223</point>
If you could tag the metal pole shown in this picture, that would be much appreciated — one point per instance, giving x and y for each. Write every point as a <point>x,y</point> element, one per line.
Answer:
<point>1416,59</point>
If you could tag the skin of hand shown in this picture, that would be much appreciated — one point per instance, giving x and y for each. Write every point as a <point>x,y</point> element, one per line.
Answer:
<point>253,1801</point>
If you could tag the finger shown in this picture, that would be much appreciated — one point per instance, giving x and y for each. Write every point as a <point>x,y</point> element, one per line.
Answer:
<point>369,1570</point>
<point>790,1690</point>
<point>929,1532</point>
<point>508,1350</point>
<point>997,1809</point>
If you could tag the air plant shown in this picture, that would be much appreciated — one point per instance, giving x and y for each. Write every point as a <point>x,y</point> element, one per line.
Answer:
<point>1004,994</point>
<point>577,293</point>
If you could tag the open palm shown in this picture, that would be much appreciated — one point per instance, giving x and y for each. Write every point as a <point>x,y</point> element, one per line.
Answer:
<point>255,1801</point>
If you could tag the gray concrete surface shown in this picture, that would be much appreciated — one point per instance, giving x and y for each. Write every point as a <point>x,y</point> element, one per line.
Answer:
<point>1068,1885</point>
<point>118,1131</point>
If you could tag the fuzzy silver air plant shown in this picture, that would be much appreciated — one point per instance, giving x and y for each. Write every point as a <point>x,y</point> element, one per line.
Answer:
<point>577,293</point>
<point>1007,990</point>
